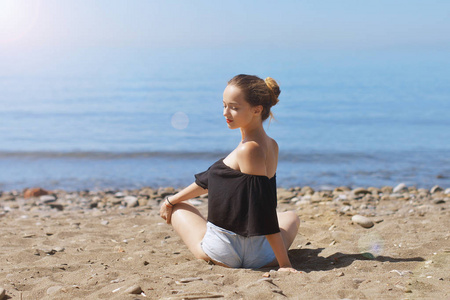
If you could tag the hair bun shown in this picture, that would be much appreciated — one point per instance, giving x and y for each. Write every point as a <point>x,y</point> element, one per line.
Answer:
<point>274,88</point>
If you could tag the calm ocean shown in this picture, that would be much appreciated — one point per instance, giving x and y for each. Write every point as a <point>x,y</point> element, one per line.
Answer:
<point>131,118</point>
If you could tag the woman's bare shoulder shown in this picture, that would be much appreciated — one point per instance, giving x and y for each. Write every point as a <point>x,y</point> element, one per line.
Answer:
<point>272,146</point>
<point>251,157</point>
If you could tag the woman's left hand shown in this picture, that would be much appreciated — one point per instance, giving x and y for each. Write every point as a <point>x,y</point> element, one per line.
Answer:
<point>165,212</point>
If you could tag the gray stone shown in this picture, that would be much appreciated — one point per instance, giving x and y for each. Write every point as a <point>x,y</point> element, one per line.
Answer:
<point>187,280</point>
<point>306,198</point>
<point>295,199</point>
<point>48,251</point>
<point>404,289</point>
<point>143,201</point>
<point>134,289</point>
<point>375,191</point>
<point>362,221</point>
<point>8,198</point>
<point>341,197</point>
<point>131,201</point>
<point>302,202</point>
<point>436,189</point>
<point>114,201</point>
<point>53,289</point>
<point>306,190</point>
<point>47,198</point>
<point>316,197</point>
<point>400,188</point>
<point>447,191</point>
<point>284,195</point>
<point>57,206</point>
<point>438,201</point>
<point>146,192</point>
<point>395,196</point>
<point>386,190</point>
<point>119,195</point>
<point>167,191</point>
<point>360,191</point>
<point>346,208</point>
<point>342,189</point>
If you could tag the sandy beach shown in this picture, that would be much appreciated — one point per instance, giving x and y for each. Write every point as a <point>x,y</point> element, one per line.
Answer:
<point>114,245</point>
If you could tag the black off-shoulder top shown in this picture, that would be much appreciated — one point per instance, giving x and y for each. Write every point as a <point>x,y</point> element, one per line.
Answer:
<point>243,203</point>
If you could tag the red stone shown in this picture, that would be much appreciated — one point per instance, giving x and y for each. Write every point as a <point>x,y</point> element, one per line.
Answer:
<point>34,192</point>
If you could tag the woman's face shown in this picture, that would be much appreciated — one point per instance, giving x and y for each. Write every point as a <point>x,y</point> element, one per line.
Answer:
<point>236,110</point>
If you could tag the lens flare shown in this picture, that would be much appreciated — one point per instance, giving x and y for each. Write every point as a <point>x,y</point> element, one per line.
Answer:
<point>371,245</point>
<point>180,120</point>
<point>17,18</point>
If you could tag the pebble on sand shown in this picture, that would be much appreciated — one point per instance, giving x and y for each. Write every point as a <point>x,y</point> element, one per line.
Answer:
<point>47,199</point>
<point>59,249</point>
<point>400,188</point>
<point>34,192</point>
<point>404,289</point>
<point>360,191</point>
<point>2,293</point>
<point>362,221</point>
<point>53,289</point>
<point>134,289</point>
<point>438,201</point>
<point>187,280</point>
<point>131,201</point>
<point>436,189</point>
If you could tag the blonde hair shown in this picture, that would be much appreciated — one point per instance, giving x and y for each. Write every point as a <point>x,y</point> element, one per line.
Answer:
<point>258,91</point>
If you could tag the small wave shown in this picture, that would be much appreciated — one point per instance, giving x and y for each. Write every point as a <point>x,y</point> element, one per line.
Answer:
<point>103,155</point>
<point>306,157</point>
<point>325,157</point>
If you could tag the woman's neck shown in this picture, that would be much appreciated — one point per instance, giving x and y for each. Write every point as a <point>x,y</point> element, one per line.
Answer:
<point>252,132</point>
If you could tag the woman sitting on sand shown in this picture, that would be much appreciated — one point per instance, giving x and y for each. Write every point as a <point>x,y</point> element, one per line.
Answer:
<point>243,229</point>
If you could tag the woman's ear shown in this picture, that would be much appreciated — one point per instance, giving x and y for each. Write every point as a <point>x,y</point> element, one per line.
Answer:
<point>258,109</point>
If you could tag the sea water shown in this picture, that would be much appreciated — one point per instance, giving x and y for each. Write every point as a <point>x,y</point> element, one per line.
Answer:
<point>128,118</point>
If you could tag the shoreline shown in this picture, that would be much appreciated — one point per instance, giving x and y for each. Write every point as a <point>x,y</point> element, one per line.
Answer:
<point>19,191</point>
<point>343,198</point>
<point>114,245</point>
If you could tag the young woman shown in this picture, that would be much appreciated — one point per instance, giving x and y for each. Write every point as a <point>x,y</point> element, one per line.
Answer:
<point>243,229</point>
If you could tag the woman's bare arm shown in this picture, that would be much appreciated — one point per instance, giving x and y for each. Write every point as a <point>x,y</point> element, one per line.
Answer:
<point>187,193</point>
<point>278,247</point>
<point>191,191</point>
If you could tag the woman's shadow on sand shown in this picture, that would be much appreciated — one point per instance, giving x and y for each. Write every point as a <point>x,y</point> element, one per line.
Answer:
<point>308,260</point>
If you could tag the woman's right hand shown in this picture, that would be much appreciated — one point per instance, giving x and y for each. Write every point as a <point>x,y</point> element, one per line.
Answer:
<point>165,212</point>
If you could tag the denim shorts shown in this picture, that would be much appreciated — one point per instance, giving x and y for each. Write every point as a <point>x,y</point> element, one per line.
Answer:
<point>236,251</point>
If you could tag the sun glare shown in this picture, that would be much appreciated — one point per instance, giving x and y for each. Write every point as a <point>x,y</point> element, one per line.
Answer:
<point>17,18</point>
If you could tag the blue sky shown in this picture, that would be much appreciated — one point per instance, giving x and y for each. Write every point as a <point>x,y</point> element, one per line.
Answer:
<point>329,24</point>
